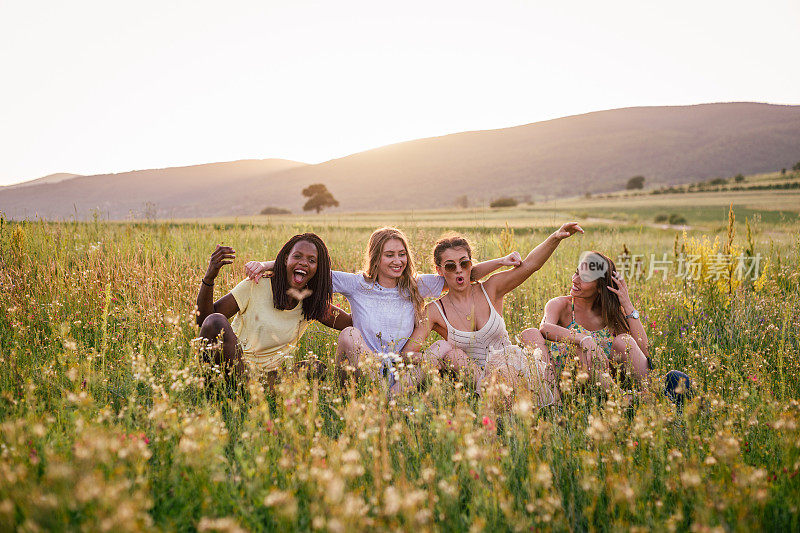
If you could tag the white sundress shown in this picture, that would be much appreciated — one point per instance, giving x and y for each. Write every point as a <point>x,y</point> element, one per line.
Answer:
<point>491,349</point>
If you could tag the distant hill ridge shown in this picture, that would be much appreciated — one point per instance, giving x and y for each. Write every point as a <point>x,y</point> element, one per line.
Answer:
<point>594,152</point>
<point>51,178</point>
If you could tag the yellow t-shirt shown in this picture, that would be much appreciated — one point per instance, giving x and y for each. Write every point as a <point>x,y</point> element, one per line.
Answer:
<point>266,335</point>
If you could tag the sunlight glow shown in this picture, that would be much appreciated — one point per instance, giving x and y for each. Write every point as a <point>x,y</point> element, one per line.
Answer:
<point>96,86</point>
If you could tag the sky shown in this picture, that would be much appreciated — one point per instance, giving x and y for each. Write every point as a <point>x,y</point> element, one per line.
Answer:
<point>104,86</point>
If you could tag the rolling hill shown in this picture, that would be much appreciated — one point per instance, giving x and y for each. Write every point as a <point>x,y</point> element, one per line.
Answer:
<point>593,152</point>
<point>172,192</point>
<point>51,178</point>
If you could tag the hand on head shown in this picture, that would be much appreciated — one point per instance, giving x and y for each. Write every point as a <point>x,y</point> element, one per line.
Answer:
<point>621,289</point>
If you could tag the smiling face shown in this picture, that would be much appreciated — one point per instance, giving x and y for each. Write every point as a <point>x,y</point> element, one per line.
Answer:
<point>393,261</point>
<point>301,264</point>
<point>582,285</point>
<point>456,267</point>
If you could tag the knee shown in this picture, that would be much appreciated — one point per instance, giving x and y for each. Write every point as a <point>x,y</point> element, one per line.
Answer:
<point>349,337</point>
<point>441,347</point>
<point>531,336</point>
<point>623,343</point>
<point>436,351</point>
<point>213,325</point>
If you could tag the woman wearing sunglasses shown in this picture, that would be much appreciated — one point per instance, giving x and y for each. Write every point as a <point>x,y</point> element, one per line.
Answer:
<point>470,320</point>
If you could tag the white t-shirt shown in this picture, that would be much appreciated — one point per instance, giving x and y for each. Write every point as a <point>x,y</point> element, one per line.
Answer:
<point>384,316</point>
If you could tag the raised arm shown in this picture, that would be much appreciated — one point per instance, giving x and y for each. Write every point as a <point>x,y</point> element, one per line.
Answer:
<point>223,255</point>
<point>484,268</point>
<point>502,283</point>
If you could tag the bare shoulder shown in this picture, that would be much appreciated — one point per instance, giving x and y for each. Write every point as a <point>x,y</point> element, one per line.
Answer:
<point>433,314</point>
<point>556,308</point>
<point>559,303</point>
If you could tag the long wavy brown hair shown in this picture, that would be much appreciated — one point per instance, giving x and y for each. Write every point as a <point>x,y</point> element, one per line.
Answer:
<point>407,284</point>
<point>607,303</point>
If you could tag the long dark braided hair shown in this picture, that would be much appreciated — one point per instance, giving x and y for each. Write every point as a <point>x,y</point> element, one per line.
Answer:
<point>320,285</point>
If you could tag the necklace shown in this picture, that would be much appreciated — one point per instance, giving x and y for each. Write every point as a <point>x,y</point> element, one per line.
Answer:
<point>468,316</point>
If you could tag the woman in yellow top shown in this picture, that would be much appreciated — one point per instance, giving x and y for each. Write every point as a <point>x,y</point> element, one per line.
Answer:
<point>270,317</point>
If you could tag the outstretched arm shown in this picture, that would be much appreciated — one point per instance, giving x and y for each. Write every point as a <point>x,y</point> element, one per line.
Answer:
<point>502,283</point>
<point>484,268</point>
<point>223,255</point>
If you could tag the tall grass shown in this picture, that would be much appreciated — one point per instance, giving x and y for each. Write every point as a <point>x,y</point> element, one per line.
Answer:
<point>109,423</point>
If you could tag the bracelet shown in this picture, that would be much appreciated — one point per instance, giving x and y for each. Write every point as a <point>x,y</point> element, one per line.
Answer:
<point>203,281</point>
<point>580,344</point>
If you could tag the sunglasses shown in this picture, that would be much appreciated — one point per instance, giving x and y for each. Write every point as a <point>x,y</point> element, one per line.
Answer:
<point>450,266</point>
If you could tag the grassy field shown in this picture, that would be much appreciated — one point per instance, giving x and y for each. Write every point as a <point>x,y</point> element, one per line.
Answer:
<point>707,210</point>
<point>108,422</point>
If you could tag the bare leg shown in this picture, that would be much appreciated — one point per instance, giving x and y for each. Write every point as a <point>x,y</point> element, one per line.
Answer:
<point>595,363</point>
<point>227,354</point>
<point>351,351</point>
<point>533,339</point>
<point>625,350</point>
<point>447,358</point>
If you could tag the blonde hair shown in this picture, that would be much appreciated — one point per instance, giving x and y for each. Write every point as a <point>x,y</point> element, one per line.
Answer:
<point>407,284</point>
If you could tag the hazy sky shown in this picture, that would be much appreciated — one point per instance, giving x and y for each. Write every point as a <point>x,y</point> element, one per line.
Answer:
<point>110,86</point>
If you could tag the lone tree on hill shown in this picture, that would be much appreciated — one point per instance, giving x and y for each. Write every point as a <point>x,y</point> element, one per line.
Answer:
<point>636,182</point>
<point>318,198</point>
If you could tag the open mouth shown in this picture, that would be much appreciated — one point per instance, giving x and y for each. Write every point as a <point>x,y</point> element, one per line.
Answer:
<point>396,269</point>
<point>299,276</point>
<point>575,288</point>
<point>460,279</point>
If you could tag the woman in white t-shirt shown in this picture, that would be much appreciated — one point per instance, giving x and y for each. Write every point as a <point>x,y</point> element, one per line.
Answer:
<point>386,298</point>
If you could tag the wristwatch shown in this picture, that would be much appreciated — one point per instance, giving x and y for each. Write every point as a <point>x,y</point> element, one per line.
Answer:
<point>634,314</point>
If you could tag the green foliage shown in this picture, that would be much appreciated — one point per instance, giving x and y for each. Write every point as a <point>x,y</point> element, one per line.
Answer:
<point>275,211</point>
<point>796,167</point>
<point>505,201</point>
<point>319,198</point>
<point>673,219</point>
<point>676,220</point>
<point>110,423</point>
<point>636,182</point>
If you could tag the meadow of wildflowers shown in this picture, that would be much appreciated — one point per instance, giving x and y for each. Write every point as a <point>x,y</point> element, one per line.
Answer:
<point>108,423</point>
